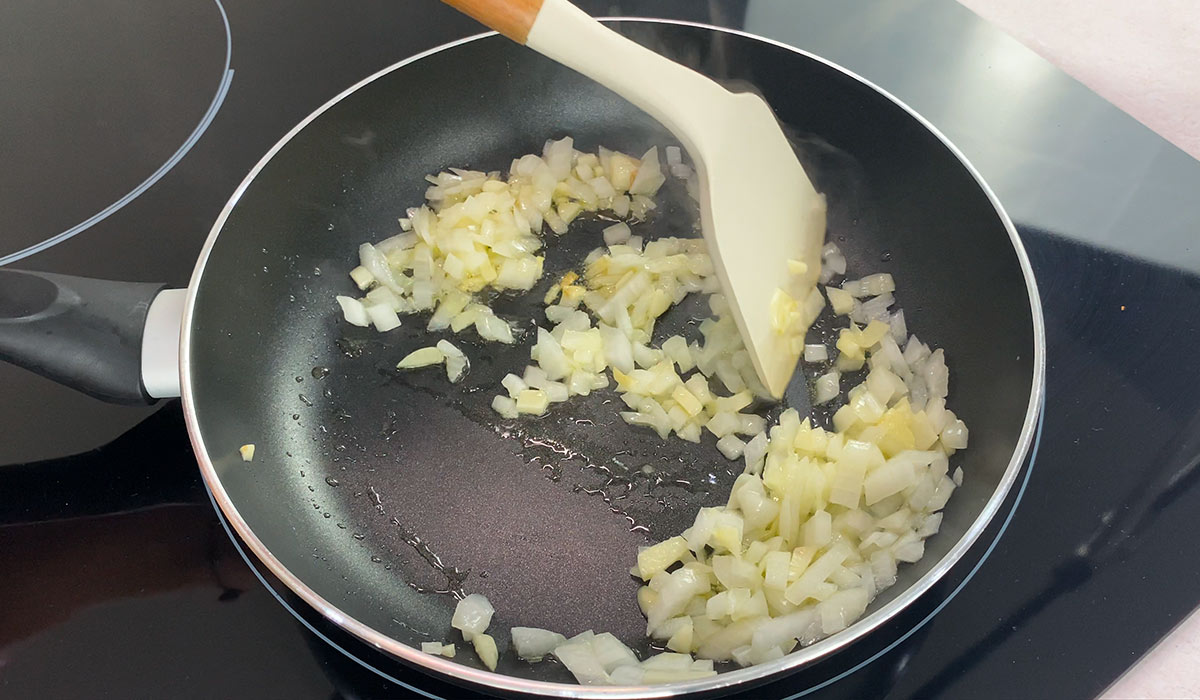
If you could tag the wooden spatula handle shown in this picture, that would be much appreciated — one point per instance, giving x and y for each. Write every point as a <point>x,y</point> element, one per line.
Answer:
<point>512,18</point>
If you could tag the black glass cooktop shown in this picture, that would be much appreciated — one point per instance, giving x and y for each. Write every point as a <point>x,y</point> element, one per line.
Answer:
<point>129,123</point>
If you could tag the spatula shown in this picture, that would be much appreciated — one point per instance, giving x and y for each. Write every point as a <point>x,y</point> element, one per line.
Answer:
<point>761,217</point>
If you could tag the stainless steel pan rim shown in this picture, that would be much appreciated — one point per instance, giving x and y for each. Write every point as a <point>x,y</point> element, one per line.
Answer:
<point>751,675</point>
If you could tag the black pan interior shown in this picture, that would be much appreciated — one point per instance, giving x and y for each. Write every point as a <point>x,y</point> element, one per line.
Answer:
<point>369,484</point>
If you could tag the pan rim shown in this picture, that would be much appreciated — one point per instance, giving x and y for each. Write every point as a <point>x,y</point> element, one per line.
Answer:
<point>749,676</point>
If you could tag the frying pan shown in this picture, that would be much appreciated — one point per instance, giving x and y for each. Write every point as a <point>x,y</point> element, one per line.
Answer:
<point>378,496</point>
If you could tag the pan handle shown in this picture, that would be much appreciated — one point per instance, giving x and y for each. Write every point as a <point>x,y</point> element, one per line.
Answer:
<point>116,341</point>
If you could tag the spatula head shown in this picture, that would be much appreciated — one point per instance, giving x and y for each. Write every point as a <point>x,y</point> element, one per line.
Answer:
<point>759,210</point>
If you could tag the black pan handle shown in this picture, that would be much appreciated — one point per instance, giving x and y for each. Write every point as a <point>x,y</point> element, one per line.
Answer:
<point>84,333</point>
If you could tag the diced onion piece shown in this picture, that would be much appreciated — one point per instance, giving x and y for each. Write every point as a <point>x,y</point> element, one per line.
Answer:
<point>722,424</point>
<point>617,233</point>
<point>806,585</point>
<point>649,174</point>
<point>472,616</point>
<point>485,647</point>
<point>533,401</point>
<point>898,326</point>
<point>871,285</point>
<point>362,277</point>
<point>456,362</point>
<point>353,311</point>
<point>909,548</point>
<point>422,357</point>
<point>676,348</point>
<point>532,643</point>
<point>492,327</point>
<point>842,608</point>
<point>754,453</point>
<point>841,300</point>
<point>652,560</point>
<point>581,661</point>
<point>505,406</point>
<point>247,452</point>
<point>434,648</point>
<point>775,570</point>
<point>687,401</point>
<point>816,353</point>
<point>731,446</point>
<point>954,435</point>
<point>783,307</point>
<point>628,675</point>
<point>640,205</point>
<point>827,387</point>
<point>734,403</point>
<point>550,356</point>
<point>611,653</point>
<point>681,639</point>
<point>513,384</point>
<point>848,363</point>
<point>931,524</point>
<point>836,264</point>
<point>450,306</point>
<point>893,476</point>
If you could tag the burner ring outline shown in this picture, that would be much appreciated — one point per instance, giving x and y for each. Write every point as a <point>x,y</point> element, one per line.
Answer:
<point>213,107</point>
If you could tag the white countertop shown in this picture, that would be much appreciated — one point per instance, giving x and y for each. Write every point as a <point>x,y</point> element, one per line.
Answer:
<point>1169,670</point>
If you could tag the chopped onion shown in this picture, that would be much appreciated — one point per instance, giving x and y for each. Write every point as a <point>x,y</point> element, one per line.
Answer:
<point>434,648</point>
<point>841,300</point>
<point>611,653</point>
<point>731,446</point>
<point>617,233</point>
<point>816,353</point>
<point>362,277</point>
<point>816,523</point>
<point>532,401</point>
<point>754,453</point>
<point>456,362</point>
<point>479,231</point>
<point>871,285</point>
<point>513,384</point>
<point>505,406</point>
<point>422,357</point>
<point>472,616</point>
<point>954,436</point>
<point>581,661</point>
<point>898,326</point>
<point>532,643</point>
<point>827,387</point>
<point>485,647</point>
<point>353,311</point>
<point>649,174</point>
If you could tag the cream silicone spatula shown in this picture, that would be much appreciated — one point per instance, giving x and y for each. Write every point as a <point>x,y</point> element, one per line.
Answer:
<point>762,219</point>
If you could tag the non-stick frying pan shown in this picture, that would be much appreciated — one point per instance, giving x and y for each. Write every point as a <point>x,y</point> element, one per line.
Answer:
<point>378,496</point>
